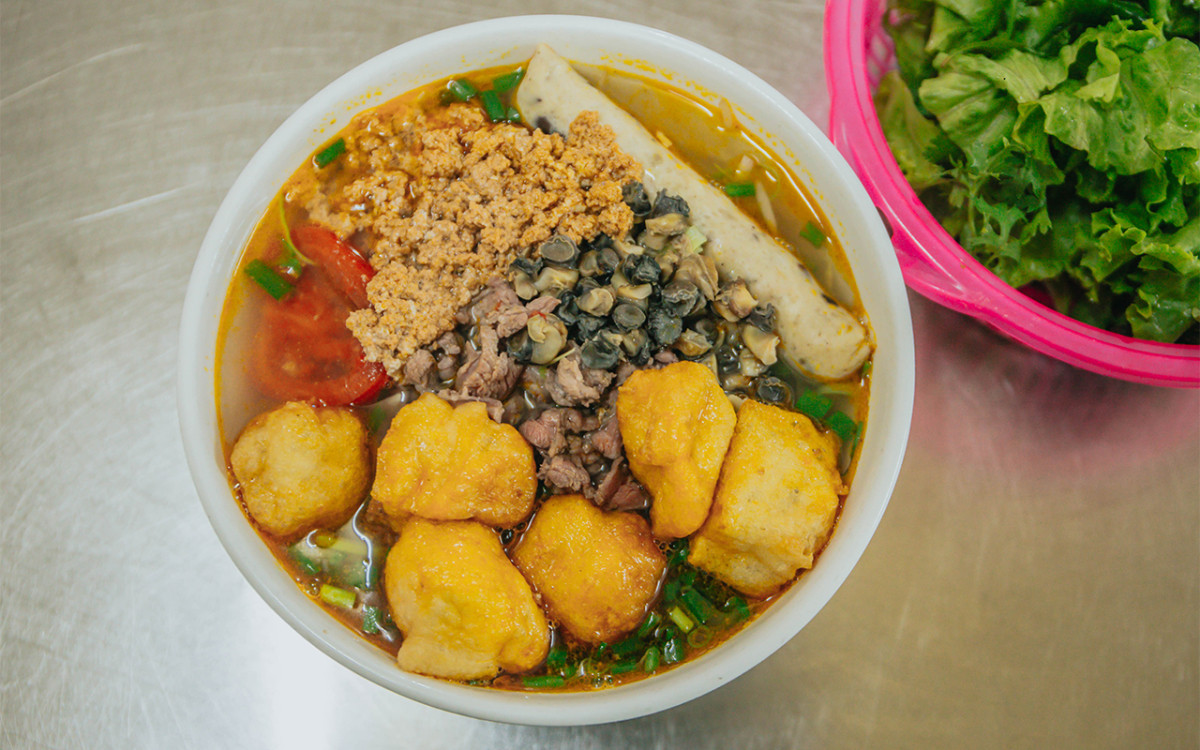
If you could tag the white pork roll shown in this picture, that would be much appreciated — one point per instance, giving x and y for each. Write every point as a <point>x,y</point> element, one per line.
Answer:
<point>818,335</point>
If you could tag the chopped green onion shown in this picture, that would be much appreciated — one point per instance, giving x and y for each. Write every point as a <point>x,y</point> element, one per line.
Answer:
<point>326,155</point>
<point>700,637</point>
<point>813,234</point>
<point>544,681</point>
<point>621,667</point>
<point>737,607</point>
<point>492,106</point>
<point>674,649</point>
<point>679,552</point>
<point>671,590</point>
<point>866,368</point>
<point>649,624</point>
<point>375,418</point>
<point>688,577</point>
<point>337,597</point>
<point>354,574</point>
<point>507,81</point>
<point>307,565</point>
<point>650,660</point>
<point>699,607</point>
<point>370,621</point>
<point>353,546</point>
<point>266,277</point>
<point>842,426</point>
<point>626,647</point>
<point>739,189</point>
<point>557,658</point>
<point>601,651</point>
<point>814,404</point>
<point>680,618</point>
<point>461,89</point>
<point>513,115</point>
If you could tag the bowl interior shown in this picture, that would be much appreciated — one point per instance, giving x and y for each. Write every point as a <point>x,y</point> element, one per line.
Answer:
<point>621,46</point>
<point>857,52</point>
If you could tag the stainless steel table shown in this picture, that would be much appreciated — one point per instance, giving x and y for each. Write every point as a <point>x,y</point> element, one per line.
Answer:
<point>1035,582</point>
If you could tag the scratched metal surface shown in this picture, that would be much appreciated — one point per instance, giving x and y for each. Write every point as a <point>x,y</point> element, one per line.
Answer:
<point>1035,582</point>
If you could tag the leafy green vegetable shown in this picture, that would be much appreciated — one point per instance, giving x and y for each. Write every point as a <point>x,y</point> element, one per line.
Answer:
<point>1059,143</point>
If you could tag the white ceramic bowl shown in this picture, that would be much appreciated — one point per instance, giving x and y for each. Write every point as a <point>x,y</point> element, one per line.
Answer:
<point>621,46</point>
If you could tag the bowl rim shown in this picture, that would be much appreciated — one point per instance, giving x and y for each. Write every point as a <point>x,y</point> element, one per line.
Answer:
<point>934,264</point>
<point>884,441</point>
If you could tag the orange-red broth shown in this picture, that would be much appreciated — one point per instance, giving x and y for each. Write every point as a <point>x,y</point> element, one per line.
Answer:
<point>710,139</point>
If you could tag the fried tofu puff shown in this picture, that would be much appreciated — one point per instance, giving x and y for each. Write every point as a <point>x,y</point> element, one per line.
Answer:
<point>676,423</point>
<point>466,613</point>
<point>302,467</point>
<point>776,501</point>
<point>595,571</point>
<point>449,463</point>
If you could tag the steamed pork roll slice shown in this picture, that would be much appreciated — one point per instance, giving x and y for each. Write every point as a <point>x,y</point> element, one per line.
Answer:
<point>776,501</point>
<point>818,335</point>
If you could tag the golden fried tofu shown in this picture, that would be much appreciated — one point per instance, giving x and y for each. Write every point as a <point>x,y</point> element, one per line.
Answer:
<point>453,463</point>
<point>465,611</point>
<point>302,467</point>
<point>596,572</point>
<point>676,423</point>
<point>776,502</point>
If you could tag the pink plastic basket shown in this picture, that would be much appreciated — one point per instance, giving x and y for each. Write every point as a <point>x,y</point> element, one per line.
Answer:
<point>857,52</point>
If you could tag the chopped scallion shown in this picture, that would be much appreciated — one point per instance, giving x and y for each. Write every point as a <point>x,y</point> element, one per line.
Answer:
<point>674,649</point>
<point>371,620</point>
<point>679,552</point>
<point>650,660</point>
<point>649,624</point>
<point>739,189</point>
<point>513,115</point>
<point>680,618</point>
<point>502,83</point>
<point>492,105</point>
<point>557,658</point>
<point>842,426</point>
<point>461,89</point>
<point>737,607</point>
<point>814,404</point>
<point>544,681</point>
<point>625,647</point>
<point>621,667</point>
<point>266,277</point>
<point>326,155</point>
<point>866,368</point>
<point>700,608</point>
<point>700,637</point>
<point>307,565</point>
<point>813,234</point>
<point>336,596</point>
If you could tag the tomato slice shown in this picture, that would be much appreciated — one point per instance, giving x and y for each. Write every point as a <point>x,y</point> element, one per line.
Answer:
<point>302,349</point>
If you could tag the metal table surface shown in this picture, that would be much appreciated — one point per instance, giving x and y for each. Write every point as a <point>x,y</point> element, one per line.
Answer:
<point>1034,583</point>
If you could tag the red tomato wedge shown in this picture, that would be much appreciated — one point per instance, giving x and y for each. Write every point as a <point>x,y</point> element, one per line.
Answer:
<point>303,350</point>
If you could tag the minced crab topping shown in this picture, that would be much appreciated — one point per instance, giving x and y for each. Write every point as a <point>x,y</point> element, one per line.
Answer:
<point>451,200</point>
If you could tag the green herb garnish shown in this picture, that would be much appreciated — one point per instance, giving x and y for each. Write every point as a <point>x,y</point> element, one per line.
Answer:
<point>544,681</point>
<point>492,106</point>
<point>813,234</point>
<point>338,597</point>
<point>326,155</point>
<point>461,89</point>
<point>502,83</point>
<point>739,189</point>
<point>813,404</point>
<point>267,278</point>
